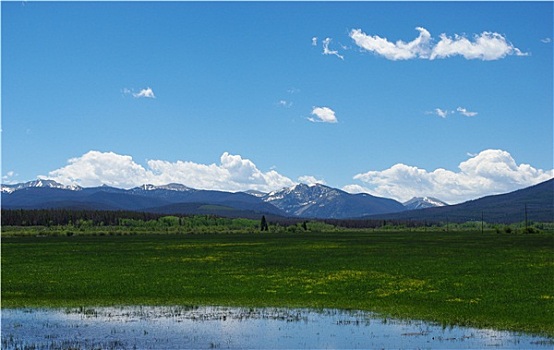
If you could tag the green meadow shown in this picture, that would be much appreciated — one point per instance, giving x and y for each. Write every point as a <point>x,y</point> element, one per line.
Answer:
<point>491,280</point>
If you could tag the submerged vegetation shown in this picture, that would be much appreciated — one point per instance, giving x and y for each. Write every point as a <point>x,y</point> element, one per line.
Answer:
<point>503,281</point>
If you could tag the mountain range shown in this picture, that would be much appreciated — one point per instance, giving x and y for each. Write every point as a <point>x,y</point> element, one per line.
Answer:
<point>300,201</point>
<point>303,201</point>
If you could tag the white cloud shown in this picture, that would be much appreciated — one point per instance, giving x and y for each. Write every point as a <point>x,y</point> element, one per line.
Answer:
<point>354,188</point>
<point>546,40</point>
<point>465,112</point>
<point>489,172</point>
<point>485,46</point>
<point>310,180</point>
<point>441,113</point>
<point>232,174</point>
<point>327,51</point>
<point>324,115</point>
<point>9,178</point>
<point>144,93</point>
<point>314,41</point>
<point>101,168</point>
<point>419,47</point>
<point>285,103</point>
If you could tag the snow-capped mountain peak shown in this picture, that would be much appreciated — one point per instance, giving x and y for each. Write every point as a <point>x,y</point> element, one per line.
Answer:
<point>168,187</point>
<point>39,183</point>
<point>423,202</point>
<point>321,201</point>
<point>301,192</point>
<point>255,193</point>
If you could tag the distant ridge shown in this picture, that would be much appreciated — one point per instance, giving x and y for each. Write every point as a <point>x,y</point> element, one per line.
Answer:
<point>300,201</point>
<point>40,183</point>
<point>537,201</point>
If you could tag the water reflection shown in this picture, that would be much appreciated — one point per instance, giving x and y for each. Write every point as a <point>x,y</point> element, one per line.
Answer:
<point>143,327</point>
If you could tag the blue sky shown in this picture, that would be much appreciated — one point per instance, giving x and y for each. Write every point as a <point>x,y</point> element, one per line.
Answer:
<point>452,99</point>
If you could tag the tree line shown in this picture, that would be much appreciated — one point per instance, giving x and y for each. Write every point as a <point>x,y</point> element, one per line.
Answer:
<point>57,217</point>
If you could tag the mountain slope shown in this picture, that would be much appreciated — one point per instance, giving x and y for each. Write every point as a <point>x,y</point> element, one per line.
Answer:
<point>423,202</point>
<point>319,201</point>
<point>143,198</point>
<point>36,184</point>
<point>537,200</point>
<point>301,201</point>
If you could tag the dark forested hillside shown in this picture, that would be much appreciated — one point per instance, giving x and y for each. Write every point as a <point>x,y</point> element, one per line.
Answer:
<point>535,203</point>
<point>53,217</point>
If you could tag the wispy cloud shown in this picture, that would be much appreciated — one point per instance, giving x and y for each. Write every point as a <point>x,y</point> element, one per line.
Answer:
<point>491,171</point>
<point>314,41</point>
<point>9,178</point>
<point>285,103</point>
<point>144,93</point>
<point>327,51</point>
<point>440,112</point>
<point>465,112</point>
<point>323,115</point>
<point>486,46</point>
<point>443,113</point>
<point>546,40</point>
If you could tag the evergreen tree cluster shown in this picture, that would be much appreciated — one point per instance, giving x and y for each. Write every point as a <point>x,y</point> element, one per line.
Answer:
<point>55,217</point>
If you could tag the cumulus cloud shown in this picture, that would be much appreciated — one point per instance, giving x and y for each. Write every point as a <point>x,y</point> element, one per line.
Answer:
<point>489,172</point>
<point>323,115</point>
<point>233,173</point>
<point>310,180</point>
<point>101,168</point>
<point>145,93</point>
<point>419,47</point>
<point>314,41</point>
<point>485,46</point>
<point>327,51</point>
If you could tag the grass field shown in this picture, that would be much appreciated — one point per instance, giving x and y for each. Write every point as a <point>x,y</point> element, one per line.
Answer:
<point>491,280</point>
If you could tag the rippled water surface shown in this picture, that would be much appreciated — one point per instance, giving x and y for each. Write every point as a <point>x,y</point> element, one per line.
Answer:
<point>179,327</point>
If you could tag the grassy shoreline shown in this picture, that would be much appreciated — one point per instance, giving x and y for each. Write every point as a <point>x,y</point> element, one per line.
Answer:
<point>456,278</point>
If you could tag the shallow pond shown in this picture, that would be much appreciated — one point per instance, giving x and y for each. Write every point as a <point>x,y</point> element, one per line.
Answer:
<point>178,327</point>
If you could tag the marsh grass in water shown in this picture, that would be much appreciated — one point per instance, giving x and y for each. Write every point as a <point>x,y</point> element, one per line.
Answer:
<point>179,327</point>
<point>492,281</point>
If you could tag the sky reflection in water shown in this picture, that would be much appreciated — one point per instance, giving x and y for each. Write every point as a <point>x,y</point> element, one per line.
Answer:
<point>223,327</point>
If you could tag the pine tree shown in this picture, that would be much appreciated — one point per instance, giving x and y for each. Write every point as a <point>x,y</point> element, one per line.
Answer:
<point>263,224</point>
